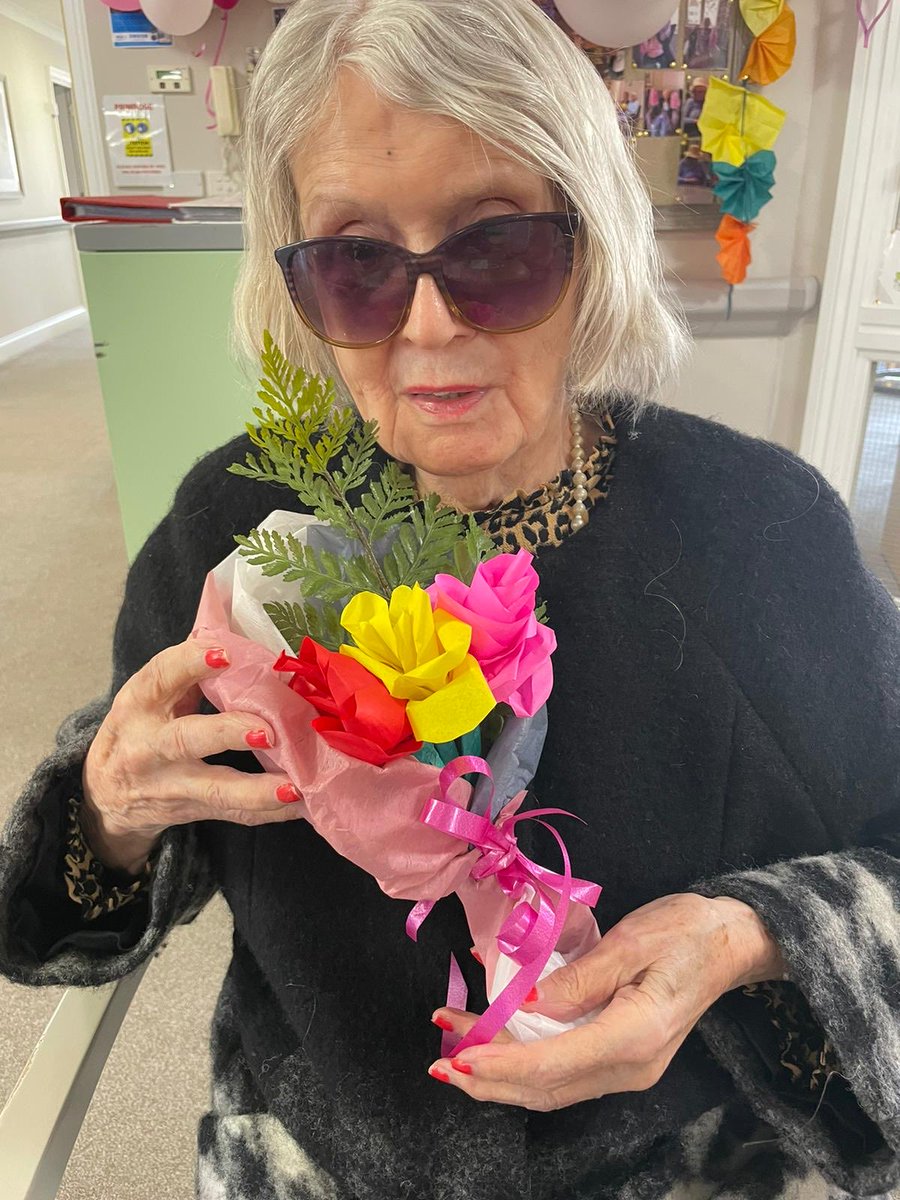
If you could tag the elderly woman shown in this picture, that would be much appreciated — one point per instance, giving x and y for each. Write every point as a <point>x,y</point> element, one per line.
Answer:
<point>468,250</point>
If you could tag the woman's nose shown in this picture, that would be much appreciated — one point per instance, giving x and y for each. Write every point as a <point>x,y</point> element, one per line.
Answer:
<point>430,322</point>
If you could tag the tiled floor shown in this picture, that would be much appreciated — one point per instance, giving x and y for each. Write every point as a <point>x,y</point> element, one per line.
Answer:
<point>60,591</point>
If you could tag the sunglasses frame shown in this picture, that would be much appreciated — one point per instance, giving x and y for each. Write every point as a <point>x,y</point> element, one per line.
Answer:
<point>431,263</point>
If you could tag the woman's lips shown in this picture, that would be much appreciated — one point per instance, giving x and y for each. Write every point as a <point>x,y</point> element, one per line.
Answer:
<point>447,406</point>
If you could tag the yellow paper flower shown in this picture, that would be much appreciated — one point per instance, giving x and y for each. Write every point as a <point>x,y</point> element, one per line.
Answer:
<point>421,656</point>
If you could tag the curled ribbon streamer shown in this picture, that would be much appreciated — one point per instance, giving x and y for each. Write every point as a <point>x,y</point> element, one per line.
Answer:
<point>868,26</point>
<point>215,62</point>
<point>527,936</point>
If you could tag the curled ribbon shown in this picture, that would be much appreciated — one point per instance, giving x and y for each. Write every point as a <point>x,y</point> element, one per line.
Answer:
<point>527,936</point>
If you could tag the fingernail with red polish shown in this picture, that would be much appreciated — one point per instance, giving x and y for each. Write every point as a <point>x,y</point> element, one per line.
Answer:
<point>288,794</point>
<point>463,1068</point>
<point>532,996</point>
<point>258,739</point>
<point>477,956</point>
<point>442,1023</point>
<point>216,658</point>
<point>436,1073</point>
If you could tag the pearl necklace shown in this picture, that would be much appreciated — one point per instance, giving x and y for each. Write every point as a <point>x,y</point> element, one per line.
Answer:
<point>579,515</point>
<point>579,479</point>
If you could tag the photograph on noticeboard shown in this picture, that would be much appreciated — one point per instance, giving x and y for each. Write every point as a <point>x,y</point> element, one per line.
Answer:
<point>697,86</point>
<point>660,49</point>
<point>663,95</point>
<point>659,87</point>
<point>707,34</point>
<point>628,98</point>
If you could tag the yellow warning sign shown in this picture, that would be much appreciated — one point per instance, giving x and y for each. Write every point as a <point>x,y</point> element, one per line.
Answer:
<point>136,139</point>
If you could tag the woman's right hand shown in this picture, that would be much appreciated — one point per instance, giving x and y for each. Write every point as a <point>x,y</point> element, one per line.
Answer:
<point>144,769</point>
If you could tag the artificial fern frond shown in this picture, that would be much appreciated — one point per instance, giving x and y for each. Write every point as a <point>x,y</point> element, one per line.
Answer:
<point>325,575</point>
<point>387,502</point>
<point>424,543</point>
<point>296,621</point>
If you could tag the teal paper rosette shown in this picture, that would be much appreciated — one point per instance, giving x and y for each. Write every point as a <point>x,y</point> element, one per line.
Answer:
<point>743,190</point>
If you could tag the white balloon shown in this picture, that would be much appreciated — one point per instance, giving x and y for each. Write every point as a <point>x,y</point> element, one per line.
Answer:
<point>178,17</point>
<point>615,23</point>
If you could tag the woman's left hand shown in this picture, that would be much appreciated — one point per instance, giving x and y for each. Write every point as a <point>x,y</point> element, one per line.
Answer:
<point>654,975</point>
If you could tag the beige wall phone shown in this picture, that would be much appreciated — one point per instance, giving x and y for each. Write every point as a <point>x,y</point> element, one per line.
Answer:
<point>225,101</point>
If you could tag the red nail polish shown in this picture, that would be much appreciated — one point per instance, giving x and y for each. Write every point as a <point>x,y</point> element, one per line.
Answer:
<point>258,739</point>
<point>464,1068</point>
<point>288,794</point>
<point>477,956</point>
<point>441,1075</point>
<point>216,658</point>
<point>532,996</point>
<point>442,1023</point>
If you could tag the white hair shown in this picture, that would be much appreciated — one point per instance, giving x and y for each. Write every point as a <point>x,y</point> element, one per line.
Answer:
<point>505,71</point>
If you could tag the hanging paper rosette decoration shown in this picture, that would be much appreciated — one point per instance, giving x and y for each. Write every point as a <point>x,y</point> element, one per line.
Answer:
<point>734,256</point>
<point>759,14</point>
<point>772,52</point>
<point>743,190</point>
<point>736,123</point>
<point>738,129</point>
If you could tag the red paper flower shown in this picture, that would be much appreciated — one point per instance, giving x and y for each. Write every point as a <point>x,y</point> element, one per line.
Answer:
<point>359,717</point>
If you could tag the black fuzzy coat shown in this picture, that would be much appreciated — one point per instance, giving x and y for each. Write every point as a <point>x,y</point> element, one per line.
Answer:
<point>726,718</point>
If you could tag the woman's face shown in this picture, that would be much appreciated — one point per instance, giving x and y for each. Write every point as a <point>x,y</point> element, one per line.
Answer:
<point>382,171</point>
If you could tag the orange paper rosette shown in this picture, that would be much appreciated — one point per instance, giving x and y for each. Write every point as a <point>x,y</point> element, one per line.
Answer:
<point>734,257</point>
<point>773,50</point>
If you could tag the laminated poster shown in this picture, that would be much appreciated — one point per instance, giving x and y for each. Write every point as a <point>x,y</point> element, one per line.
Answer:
<point>137,141</point>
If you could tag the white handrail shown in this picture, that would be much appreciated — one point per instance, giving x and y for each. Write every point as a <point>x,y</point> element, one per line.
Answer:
<point>31,225</point>
<point>41,1120</point>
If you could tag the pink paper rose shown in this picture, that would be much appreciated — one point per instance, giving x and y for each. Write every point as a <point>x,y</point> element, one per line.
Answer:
<point>511,646</point>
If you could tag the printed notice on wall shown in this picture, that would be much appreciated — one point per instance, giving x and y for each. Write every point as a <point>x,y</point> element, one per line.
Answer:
<point>134,30</point>
<point>137,141</point>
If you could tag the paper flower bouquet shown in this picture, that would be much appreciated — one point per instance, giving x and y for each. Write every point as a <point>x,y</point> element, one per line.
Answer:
<point>404,667</point>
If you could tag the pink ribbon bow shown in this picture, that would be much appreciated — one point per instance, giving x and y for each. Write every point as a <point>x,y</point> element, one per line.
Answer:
<point>527,936</point>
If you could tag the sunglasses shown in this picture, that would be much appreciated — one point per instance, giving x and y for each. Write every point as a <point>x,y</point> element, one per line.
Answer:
<point>502,275</point>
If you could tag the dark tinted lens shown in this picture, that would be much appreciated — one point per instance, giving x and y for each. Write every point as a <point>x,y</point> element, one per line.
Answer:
<point>507,274</point>
<point>351,291</point>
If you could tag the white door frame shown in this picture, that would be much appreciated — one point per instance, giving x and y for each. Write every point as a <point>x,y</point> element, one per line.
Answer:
<point>84,93</point>
<point>854,328</point>
<point>63,79</point>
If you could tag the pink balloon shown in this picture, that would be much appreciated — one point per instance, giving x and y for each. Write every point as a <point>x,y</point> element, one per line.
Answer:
<point>178,17</point>
<point>616,23</point>
<point>123,5</point>
<point>225,3</point>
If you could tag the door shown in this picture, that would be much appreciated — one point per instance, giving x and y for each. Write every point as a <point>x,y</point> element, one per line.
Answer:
<point>67,129</point>
<point>851,429</point>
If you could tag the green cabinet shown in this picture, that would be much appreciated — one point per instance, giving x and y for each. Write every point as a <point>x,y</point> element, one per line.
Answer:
<point>160,321</point>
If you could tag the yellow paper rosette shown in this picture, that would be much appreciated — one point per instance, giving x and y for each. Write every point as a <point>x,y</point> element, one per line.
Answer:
<point>736,123</point>
<point>759,14</point>
<point>421,656</point>
<point>773,50</point>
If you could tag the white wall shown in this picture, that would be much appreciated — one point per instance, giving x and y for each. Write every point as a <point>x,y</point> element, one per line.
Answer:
<point>39,275</point>
<point>124,70</point>
<point>754,384</point>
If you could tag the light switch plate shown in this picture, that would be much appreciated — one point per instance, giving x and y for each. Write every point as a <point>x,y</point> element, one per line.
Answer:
<point>170,80</point>
<point>187,183</point>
